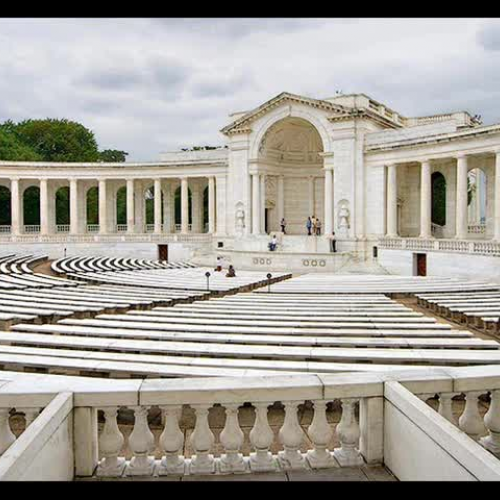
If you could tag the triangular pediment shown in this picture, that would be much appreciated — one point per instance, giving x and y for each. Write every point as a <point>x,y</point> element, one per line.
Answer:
<point>242,124</point>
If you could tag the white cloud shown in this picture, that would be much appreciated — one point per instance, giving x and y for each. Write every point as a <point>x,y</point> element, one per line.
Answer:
<point>148,85</point>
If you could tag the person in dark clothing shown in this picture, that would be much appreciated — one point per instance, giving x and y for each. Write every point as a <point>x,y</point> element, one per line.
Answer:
<point>333,243</point>
<point>283,225</point>
<point>230,272</point>
<point>309,226</point>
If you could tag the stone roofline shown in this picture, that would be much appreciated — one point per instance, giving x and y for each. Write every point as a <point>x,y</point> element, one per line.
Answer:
<point>437,138</point>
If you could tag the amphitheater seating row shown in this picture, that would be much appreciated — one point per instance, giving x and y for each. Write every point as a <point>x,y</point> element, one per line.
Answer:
<point>246,334</point>
<point>19,263</point>
<point>182,279</point>
<point>50,304</point>
<point>477,309</point>
<point>79,264</point>
<point>336,283</point>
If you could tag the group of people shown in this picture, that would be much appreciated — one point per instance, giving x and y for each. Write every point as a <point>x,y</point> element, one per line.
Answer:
<point>313,226</point>
<point>231,273</point>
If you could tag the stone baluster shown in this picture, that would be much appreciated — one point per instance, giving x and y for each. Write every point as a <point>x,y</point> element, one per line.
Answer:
<point>492,422</point>
<point>172,442</point>
<point>202,439</point>
<point>320,433</point>
<point>261,437</point>
<point>232,438</point>
<point>110,444</point>
<point>291,437</point>
<point>470,421</point>
<point>445,406</point>
<point>7,437</point>
<point>142,443</point>
<point>425,397</point>
<point>348,433</point>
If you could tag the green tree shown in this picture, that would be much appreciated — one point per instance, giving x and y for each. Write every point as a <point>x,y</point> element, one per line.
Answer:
<point>113,155</point>
<point>58,140</point>
<point>11,147</point>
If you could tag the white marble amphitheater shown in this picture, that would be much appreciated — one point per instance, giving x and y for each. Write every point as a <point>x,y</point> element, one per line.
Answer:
<point>124,355</point>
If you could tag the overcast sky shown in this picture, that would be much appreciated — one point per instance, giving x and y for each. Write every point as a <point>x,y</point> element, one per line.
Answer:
<point>150,85</point>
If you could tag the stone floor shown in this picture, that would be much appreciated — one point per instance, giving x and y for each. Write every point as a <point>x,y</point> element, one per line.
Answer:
<point>364,473</point>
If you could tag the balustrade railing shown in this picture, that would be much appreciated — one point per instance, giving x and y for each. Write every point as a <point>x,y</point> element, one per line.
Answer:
<point>441,245</point>
<point>178,227</point>
<point>149,228</point>
<point>121,228</point>
<point>32,229</point>
<point>251,442</point>
<point>476,228</point>
<point>5,229</point>
<point>92,228</point>
<point>62,228</point>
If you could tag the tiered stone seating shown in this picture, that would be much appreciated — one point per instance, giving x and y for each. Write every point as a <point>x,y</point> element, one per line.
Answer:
<point>246,334</point>
<point>181,279</point>
<point>83,264</point>
<point>391,285</point>
<point>478,309</point>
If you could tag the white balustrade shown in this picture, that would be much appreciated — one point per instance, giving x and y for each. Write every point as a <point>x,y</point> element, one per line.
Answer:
<point>32,229</point>
<point>291,437</point>
<point>470,421</point>
<point>149,228</point>
<point>202,440</point>
<point>92,228</point>
<point>321,434</point>
<point>142,443</point>
<point>172,442</point>
<point>62,228</point>
<point>110,444</point>
<point>121,228</point>
<point>445,408</point>
<point>476,228</point>
<point>232,438</point>
<point>348,434</point>
<point>261,438</point>
<point>492,422</point>
<point>5,229</point>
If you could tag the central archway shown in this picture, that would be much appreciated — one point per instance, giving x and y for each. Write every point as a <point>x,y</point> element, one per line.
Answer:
<point>290,154</point>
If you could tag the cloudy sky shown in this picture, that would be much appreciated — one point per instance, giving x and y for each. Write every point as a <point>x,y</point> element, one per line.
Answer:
<point>150,85</point>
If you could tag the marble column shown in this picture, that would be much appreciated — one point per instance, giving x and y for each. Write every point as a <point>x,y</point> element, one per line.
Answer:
<point>103,207</point>
<point>157,206</point>
<point>221,204</point>
<point>168,208</point>
<point>311,196</point>
<point>461,209</point>
<point>281,198</point>
<point>211,205</point>
<point>255,204</point>
<point>197,206</point>
<point>15,202</point>
<point>496,194</point>
<point>130,206</point>
<point>425,199</point>
<point>328,224</point>
<point>392,201</point>
<point>262,204</point>
<point>184,206</point>
<point>44,207</point>
<point>73,206</point>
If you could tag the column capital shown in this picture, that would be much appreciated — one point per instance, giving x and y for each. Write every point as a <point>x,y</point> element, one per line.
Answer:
<point>496,150</point>
<point>461,156</point>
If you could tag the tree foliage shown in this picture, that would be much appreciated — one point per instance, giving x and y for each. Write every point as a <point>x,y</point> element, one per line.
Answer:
<point>113,155</point>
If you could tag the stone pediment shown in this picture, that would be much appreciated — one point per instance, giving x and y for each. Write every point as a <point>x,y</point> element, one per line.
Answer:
<point>242,124</point>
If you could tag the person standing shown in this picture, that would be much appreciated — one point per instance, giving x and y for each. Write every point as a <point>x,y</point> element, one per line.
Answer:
<point>218,266</point>
<point>314,222</point>
<point>309,226</point>
<point>333,243</point>
<point>283,225</point>
<point>318,227</point>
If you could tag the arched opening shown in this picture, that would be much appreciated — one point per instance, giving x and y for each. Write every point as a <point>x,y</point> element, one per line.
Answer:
<point>31,206</point>
<point>121,206</point>
<point>205,210</point>
<point>92,203</point>
<point>178,208</point>
<point>476,201</point>
<point>149,207</point>
<point>438,207</point>
<point>5,206</point>
<point>62,206</point>
<point>291,148</point>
